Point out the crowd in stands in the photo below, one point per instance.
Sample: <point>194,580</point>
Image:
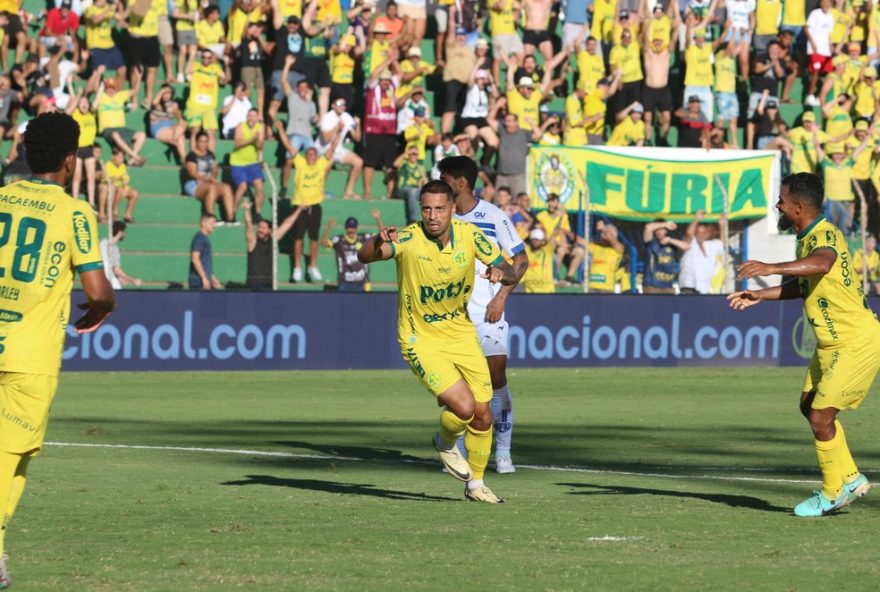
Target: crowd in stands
<point>344,84</point>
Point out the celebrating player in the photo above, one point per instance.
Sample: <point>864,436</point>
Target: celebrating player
<point>486,303</point>
<point>47,236</point>
<point>847,355</point>
<point>435,276</point>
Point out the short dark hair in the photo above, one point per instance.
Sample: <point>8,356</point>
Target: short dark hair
<point>460,167</point>
<point>48,140</point>
<point>206,217</point>
<point>503,188</point>
<point>210,9</point>
<point>118,226</point>
<point>552,196</point>
<point>805,188</point>
<point>437,186</point>
<point>201,134</point>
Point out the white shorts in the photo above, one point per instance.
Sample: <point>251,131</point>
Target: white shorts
<point>338,155</point>
<point>493,338</point>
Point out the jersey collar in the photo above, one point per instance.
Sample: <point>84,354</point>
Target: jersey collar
<point>40,181</point>
<point>437,242</point>
<point>812,225</point>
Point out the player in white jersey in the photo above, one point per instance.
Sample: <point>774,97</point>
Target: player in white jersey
<point>486,304</point>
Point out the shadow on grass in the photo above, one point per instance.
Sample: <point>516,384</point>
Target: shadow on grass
<point>342,488</point>
<point>355,452</point>
<point>734,501</point>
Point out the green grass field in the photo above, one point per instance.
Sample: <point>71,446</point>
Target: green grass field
<point>675,479</point>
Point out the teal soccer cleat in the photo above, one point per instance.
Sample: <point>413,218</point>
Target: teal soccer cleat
<point>819,505</point>
<point>857,487</point>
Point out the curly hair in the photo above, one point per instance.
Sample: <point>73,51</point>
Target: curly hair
<point>806,188</point>
<point>48,140</point>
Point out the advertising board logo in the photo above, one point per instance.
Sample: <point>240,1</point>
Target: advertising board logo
<point>554,173</point>
<point>803,339</point>
<point>82,234</point>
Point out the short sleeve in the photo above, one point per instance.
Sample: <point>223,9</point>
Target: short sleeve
<point>402,246</point>
<point>484,249</point>
<point>197,244</point>
<point>85,252</point>
<point>507,237</point>
<point>826,238</point>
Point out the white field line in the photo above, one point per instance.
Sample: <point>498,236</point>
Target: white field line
<point>608,538</point>
<point>553,468</point>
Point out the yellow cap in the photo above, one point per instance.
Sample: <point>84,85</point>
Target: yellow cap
<point>870,72</point>
<point>839,59</point>
<point>699,32</point>
<point>808,116</point>
<point>861,125</point>
<point>835,148</point>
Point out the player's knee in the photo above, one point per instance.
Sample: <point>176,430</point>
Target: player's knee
<point>482,417</point>
<point>821,422</point>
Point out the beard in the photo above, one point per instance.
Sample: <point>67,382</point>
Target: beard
<point>784,223</point>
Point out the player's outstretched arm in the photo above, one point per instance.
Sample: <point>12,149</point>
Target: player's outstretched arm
<point>380,247</point>
<point>819,262</point>
<point>788,290</point>
<point>101,301</point>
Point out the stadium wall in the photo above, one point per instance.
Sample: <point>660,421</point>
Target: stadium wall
<point>299,331</point>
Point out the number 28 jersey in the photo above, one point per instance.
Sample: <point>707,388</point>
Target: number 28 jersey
<point>44,236</point>
<point>435,282</point>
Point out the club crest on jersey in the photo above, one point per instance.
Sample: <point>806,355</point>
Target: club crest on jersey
<point>460,258</point>
<point>434,379</point>
<point>482,244</point>
<point>82,233</point>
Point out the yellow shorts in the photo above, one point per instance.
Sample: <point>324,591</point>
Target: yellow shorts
<point>440,365</point>
<point>24,410</point>
<point>204,117</point>
<point>842,377</point>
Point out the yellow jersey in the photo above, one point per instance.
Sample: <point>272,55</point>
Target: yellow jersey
<point>204,86</point>
<point>794,13</point>
<point>525,108</point>
<point>838,179</point>
<point>803,155</point>
<point>767,15</point>
<point>239,20</point>
<point>418,135</point>
<point>148,25</point>
<point>308,180</point>
<point>660,28</point>
<point>291,8</point>
<point>435,282</point>
<point>503,21</point>
<point>839,122</point>
<point>88,127</point>
<point>590,68</point>
<point>594,104</point>
<point>117,174</point>
<point>378,53</point>
<point>10,6</point>
<point>208,34</point>
<point>99,36</point>
<point>247,154</point>
<point>698,62</point>
<point>627,132</point>
<point>864,104</point>
<point>51,235</point>
<point>406,67</point>
<point>186,7</point>
<point>111,110</point>
<point>538,278</point>
<point>834,302</point>
<point>604,262</point>
<point>841,22</point>
<point>329,11</point>
<point>603,19</point>
<point>575,133</point>
<point>861,170</point>
<point>628,60</point>
<point>342,68</point>
<point>725,72</point>
<point>873,264</point>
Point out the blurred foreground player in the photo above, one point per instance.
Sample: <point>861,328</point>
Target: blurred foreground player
<point>847,354</point>
<point>486,303</point>
<point>46,236</point>
<point>435,276</point>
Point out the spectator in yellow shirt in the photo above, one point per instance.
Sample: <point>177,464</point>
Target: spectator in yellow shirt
<point>421,133</point>
<point>209,32</point>
<point>116,176</point>
<point>538,278</point>
<point>630,131</point>
<point>866,262</point>
<point>568,246</point>
<point>626,58</point>
<point>837,172</point>
<point>606,255</point>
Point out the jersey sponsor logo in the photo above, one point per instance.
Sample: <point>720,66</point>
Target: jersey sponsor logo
<point>82,233</point>
<point>479,214</point>
<point>803,338</point>
<point>829,324</point>
<point>437,318</point>
<point>17,421</point>
<point>403,236</point>
<point>844,269</point>
<point>10,316</point>
<point>432,294</point>
<point>9,293</point>
<point>482,244</point>
<point>51,269</point>
<point>414,362</point>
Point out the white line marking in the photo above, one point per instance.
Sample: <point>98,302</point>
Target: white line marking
<point>614,539</point>
<point>549,468</point>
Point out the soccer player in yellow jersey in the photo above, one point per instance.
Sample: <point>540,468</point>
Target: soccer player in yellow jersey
<point>51,236</point>
<point>435,275</point>
<point>847,334</point>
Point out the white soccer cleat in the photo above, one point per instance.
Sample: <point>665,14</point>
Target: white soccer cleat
<point>456,464</point>
<point>315,274</point>
<point>504,465</point>
<point>482,494</point>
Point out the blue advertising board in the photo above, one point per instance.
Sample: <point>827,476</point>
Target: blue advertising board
<point>308,330</point>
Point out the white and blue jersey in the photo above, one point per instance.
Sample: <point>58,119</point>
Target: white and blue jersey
<point>500,230</point>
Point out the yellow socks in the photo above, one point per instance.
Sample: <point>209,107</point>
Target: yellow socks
<point>836,463</point>
<point>479,445</point>
<point>12,479</point>
<point>451,426</point>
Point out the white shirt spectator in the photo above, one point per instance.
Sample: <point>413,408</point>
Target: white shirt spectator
<point>738,12</point>
<point>112,260</point>
<point>476,103</point>
<point>699,265</point>
<point>441,152</point>
<point>236,115</point>
<point>405,114</point>
<point>328,124</point>
<point>820,24</point>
